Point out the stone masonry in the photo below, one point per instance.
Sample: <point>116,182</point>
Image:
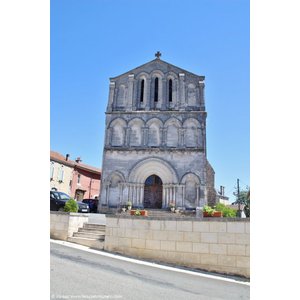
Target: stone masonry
<point>155,140</point>
<point>220,245</point>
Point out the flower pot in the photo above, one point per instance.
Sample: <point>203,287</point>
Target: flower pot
<point>123,209</point>
<point>217,214</point>
<point>129,207</point>
<point>144,213</point>
<point>172,209</point>
<point>132,212</point>
<point>206,214</point>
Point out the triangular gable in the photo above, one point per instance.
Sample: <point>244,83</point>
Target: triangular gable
<point>158,61</point>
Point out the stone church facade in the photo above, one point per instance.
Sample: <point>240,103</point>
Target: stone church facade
<point>155,141</point>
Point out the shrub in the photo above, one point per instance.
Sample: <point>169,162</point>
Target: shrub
<point>227,211</point>
<point>71,206</point>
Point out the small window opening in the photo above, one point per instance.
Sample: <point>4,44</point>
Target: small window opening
<point>156,90</point>
<point>142,91</point>
<point>170,90</point>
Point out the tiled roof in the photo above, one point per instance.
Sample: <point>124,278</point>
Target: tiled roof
<point>62,159</point>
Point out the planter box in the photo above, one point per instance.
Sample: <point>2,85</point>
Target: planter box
<point>217,214</point>
<point>143,212</point>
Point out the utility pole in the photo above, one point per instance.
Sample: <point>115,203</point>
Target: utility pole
<point>239,213</point>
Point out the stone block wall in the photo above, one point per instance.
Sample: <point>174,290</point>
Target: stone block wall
<point>63,224</point>
<point>220,245</point>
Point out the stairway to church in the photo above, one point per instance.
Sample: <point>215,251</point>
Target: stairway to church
<point>90,235</point>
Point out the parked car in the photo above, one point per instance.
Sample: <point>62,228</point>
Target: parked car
<point>92,203</point>
<point>59,199</point>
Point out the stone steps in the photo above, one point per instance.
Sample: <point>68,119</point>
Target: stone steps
<point>92,243</point>
<point>91,235</point>
<point>91,226</point>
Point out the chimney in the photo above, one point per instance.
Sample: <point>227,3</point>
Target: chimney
<point>222,190</point>
<point>78,160</point>
<point>67,157</point>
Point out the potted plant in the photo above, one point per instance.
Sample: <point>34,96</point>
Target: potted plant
<point>207,211</point>
<point>139,212</point>
<point>172,206</point>
<point>144,213</point>
<point>124,208</point>
<point>211,212</point>
<point>129,205</point>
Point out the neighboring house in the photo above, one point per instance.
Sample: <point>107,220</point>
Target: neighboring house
<point>86,181</point>
<point>74,178</point>
<point>155,148</point>
<point>61,172</point>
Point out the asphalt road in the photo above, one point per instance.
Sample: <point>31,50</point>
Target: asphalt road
<point>77,274</point>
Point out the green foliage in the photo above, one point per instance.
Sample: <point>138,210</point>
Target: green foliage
<point>71,206</point>
<point>244,199</point>
<point>247,205</point>
<point>137,212</point>
<point>209,210</point>
<point>227,211</point>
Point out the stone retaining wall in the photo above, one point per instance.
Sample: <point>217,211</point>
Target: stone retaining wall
<point>213,244</point>
<point>63,224</point>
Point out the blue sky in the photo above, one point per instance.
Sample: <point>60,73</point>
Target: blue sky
<point>92,41</point>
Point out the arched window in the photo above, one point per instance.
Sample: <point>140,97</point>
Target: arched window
<point>142,91</point>
<point>170,90</point>
<point>156,90</point>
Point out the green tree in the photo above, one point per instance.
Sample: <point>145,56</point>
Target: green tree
<point>227,211</point>
<point>244,199</point>
<point>247,205</point>
<point>71,206</point>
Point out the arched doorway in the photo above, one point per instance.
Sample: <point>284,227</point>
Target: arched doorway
<point>153,192</point>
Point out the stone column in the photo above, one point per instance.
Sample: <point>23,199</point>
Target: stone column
<point>175,192</point>
<point>201,94</point>
<point>107,194</point>
<point>197,199</point>
<point>130,101</point>
<point>122,193</point>
<point>132,193</point>
<point>128,191</point>
<point>109,136</point>
<point>148,94</point>
<point>175,94</point>
<point>203,137</point>
<point>164,94</point>
<point>163,132</point>
<point>202,195</point>
<point>127,136</point>
<point>145,134</point>
<point>183,195</point>
<point>111,96</point>
<point>182,91</point>
<point>181,137</point>
<point>142,194</point>
<point>135,194</point>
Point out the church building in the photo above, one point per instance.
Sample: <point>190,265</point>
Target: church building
<point>155,141</point>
